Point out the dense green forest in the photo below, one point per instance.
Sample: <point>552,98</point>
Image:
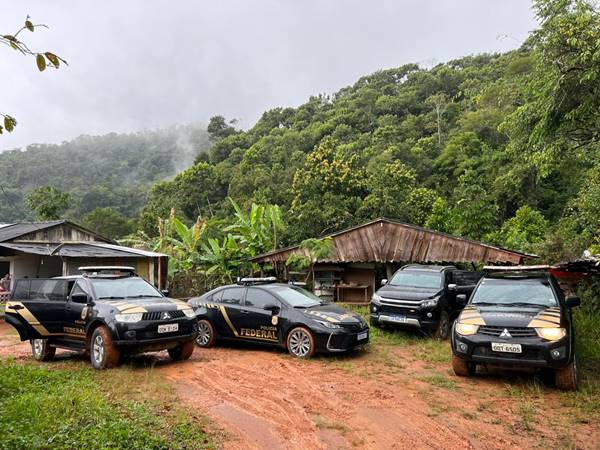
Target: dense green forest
<point>113,171</point>
<point>498,147</point>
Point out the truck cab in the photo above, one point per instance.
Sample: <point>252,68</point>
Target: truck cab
<point>424,297</point>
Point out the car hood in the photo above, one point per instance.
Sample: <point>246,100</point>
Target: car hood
<point>533,316</point>
<point>147,304</point>
<point>334,314</point>
<point>407,293</point>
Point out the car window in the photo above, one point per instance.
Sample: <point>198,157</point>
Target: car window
<point>41,289</point>
<point>232,296</point>
<point>507,292</point>
<point>79,289</point>
<point>21,291</point>
<point>216,297</point>
<point>258,298</point>
<point>417,279</point>
<point>126,287</point>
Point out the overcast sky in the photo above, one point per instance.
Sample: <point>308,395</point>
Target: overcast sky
<point>143,64</point>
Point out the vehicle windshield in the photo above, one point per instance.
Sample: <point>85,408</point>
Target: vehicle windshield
<point>515,292</point>
<point>129,287</point>
<point>297,297</point>
<point>417,279</point>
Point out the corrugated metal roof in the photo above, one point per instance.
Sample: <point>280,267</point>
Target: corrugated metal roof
<point>81,250</point>
<point>12,231</point>
<point>384,240</point>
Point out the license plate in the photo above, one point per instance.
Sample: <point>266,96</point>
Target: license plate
<point>506,348</point>
<point>398,319</point>
<point>168,328</point>
<point>363,335</point>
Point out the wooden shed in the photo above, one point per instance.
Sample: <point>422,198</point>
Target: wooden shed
<point>383,245</point>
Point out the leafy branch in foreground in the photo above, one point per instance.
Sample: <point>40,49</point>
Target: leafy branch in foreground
<point>43,59</point>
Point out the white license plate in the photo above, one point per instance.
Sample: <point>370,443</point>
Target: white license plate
<point>398,319</point>
<point>506,348</point>
<point>363,335</point>
<point>168,328</point>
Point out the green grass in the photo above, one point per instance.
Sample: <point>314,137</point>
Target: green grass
<point>439,380</point>
<point>65,406</point>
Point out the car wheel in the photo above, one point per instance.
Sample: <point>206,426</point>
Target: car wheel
<point>462,368</point>
<point>567,378</point>
<point>103,353</point>
<point>206,334</point>
<point>300,343</point>
<point>41,350</point>
<point>183,351</point>
<point>442,332</point>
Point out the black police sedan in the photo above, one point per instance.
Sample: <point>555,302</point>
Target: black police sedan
<point>107,311</point>
<point>263,311</point>
<point>517,317</point>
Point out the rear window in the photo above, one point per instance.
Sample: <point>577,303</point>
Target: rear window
<point>536,291</point>
<point>37,289</point>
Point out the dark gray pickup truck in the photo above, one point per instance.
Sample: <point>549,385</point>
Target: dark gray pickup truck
<point>423,297</point>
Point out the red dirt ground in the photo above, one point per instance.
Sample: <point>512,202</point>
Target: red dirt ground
<point>381,398</point>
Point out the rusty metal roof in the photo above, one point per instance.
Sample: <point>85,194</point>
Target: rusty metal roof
<point>385,240</point>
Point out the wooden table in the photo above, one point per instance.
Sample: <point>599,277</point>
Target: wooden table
<point>341,287</point>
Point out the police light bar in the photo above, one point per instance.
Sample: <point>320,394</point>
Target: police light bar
<point>114,271</point>
<point>266,280</point>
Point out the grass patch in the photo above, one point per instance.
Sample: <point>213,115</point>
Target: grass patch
<point>527,414</point>
<point>439,380</point>
<point>324,424</point>
<point>67,406</point>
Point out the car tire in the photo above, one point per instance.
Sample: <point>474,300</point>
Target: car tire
<point>462,368</point>
<point>182,351</point>
<point>301,343</point>
<point>567,378</point>
<point>442,331</point>
<point>103,353</point>
<point>41,350</point>
<point>206,334</point>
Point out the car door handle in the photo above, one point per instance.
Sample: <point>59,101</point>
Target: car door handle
<point>17,307</point>
<point>244,311</point>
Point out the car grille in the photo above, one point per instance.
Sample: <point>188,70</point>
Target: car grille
<point>355,327</point>
<point>516,332</point>
<point>158,315</point>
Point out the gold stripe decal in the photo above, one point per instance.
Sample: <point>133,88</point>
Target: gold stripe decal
<point>226,316</point>
<point>548,318</point>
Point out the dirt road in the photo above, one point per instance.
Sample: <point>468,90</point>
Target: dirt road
<point>385,397</point>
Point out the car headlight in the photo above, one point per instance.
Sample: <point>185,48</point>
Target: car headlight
<point>128,318</point>
<point>466,329</point>
<point>376,299</point>
<point>189,312</point>
<point>551,334</point>
<point>431,303</point>
<point>328,324</point>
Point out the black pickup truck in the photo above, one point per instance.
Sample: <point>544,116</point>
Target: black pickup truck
<point>422,297</point>
<point>106,311</point>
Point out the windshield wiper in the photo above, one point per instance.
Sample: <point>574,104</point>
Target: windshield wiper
<point>487,303</point>
<point>143,296</point>
<point>111,298</point>
<point>527,304</point>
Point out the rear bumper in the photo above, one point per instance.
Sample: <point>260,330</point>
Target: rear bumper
<point>536,353</point>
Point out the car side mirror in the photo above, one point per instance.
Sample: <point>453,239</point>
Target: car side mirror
<point>572,302</point>
<point>384,282</point>
<point>452,287</point>
<point>461,299</point>
<point>271,307</point>
<point>165,292</point>
<point>80,298</point>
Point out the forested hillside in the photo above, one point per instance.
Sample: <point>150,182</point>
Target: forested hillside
<point>502,148</point>
<point>112,171</point>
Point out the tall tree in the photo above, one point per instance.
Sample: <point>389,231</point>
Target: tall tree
<point>48,202</point>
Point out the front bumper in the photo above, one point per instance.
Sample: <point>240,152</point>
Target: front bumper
<point>427,319</point>
<point>342,341</point>
<point>145,333</point>
<point>536,352</point>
